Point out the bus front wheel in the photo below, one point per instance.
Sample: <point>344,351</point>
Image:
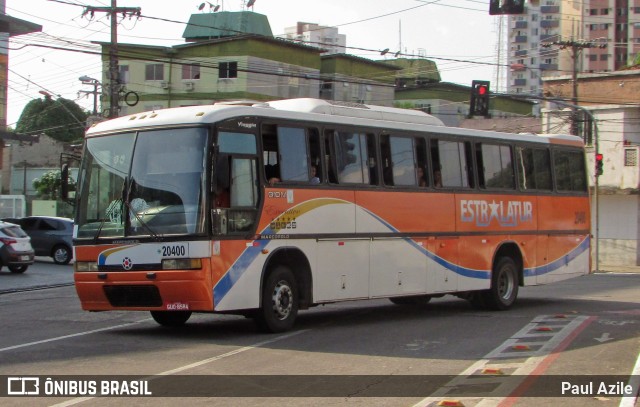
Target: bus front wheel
<point>504,285</point>
<point>279,306</point>
<point>171,318</point>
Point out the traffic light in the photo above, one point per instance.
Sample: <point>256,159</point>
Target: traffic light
<point>499,7</point>
<point>479,105</point>
<point>599,164</point>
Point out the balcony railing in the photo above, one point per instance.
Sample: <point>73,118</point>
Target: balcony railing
<point>549,23</point>
<point>549,9</point>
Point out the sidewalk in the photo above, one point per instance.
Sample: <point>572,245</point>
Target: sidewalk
<point>618,269</point>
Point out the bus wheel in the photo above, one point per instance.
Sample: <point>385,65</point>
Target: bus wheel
<point>279,301</point>
<point>504,285</point>
<point>411,300</point>
<point>171,318</point>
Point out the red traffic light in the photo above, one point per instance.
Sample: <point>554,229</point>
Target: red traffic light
<point>599,157</point>
<point>482,90</point>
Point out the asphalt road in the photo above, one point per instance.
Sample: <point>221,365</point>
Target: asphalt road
<point>581,331</point>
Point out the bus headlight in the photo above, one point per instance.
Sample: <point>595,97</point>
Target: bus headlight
<point>86,266</point>
<point>181,264</point>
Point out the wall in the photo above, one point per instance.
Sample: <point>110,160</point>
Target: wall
<point>619,230</point>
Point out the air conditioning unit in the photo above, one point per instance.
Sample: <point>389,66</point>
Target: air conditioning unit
<point>189,85</point>
<point>164,85</point>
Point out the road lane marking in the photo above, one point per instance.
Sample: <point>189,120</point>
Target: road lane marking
<point>59,338</point>
<point>180,369</point>
<point>545,347</point>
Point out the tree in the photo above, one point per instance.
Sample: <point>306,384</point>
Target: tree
<point>60,119</point>
<point>48,186</point>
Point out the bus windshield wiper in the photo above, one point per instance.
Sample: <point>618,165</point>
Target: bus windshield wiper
<point>127,204</point>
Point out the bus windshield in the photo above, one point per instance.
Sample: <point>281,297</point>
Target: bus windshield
<point>147,183</point>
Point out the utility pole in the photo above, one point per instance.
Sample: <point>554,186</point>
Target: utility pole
<point>114,80</point>
<point>574,47</point>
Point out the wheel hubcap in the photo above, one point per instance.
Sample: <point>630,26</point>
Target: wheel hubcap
<point>60,255</point>
<point>505,285</point>
<point>282,300</point>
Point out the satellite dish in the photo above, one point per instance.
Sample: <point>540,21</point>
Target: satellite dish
<point>216,8</point>
<point>200,7</point>
<point>251,3</point>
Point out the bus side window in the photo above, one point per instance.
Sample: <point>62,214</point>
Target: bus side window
<point>495,166</point>
<point>316,175</point>
<point>385,152</point>
<point>421,160</point>
<point>372,161</point>
<point>270,153</point>
<point>329,157</point>
<point>453,160</point>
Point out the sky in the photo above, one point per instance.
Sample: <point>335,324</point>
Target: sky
<point>459,35</point>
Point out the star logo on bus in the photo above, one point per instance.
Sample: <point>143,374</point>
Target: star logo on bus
<point>127,263</point>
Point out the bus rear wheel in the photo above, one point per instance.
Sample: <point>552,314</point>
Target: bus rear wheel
<point>280,302</point>
<point>171,318</point>
<point>504,285</point>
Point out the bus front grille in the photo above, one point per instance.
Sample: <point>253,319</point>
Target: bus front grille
<point>133,295</point>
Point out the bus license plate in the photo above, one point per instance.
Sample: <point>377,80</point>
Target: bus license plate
<point>24,258</point>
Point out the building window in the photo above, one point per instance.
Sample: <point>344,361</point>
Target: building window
<point>630,157</point>
<point>604,11</point>
<point>191,71</point>
<point>227,70</point>
<point>154,72</point>
<point>604,57</point>
<point>593,57</point>
<point>534,17</point>
<point>123,73</point>
<point>593,11</point>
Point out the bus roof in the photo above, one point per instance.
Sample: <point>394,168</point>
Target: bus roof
<point>311,110</point>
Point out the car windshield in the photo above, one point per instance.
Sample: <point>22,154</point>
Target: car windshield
<point>146,183</point>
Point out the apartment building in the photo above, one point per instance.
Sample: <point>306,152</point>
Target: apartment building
<point>317,35</point>
<point>618,21</point>
<point>528,58</point>
<point>615,24</point>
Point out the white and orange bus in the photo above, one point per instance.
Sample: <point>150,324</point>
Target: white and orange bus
<point>264,209</point>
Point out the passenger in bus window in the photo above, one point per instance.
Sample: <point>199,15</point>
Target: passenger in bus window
<point>314,180</point>
<point>437,179</point>
<point>422,181</point>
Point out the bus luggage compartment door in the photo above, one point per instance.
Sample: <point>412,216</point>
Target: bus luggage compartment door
<point>343,269</point>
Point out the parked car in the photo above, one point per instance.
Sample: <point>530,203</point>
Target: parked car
<point>15,248</point>
<point>50,236</point>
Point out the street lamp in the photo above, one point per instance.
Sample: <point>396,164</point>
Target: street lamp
<point>86,80</point>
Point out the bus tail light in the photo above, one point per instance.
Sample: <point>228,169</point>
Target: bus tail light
<point>181,264</point>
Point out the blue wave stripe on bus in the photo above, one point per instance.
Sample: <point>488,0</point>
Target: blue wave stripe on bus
<point>562,261</point>
<point>239,267</point>
<point>463,271</point>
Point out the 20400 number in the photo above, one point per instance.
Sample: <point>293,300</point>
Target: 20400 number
<point>174,251</point>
